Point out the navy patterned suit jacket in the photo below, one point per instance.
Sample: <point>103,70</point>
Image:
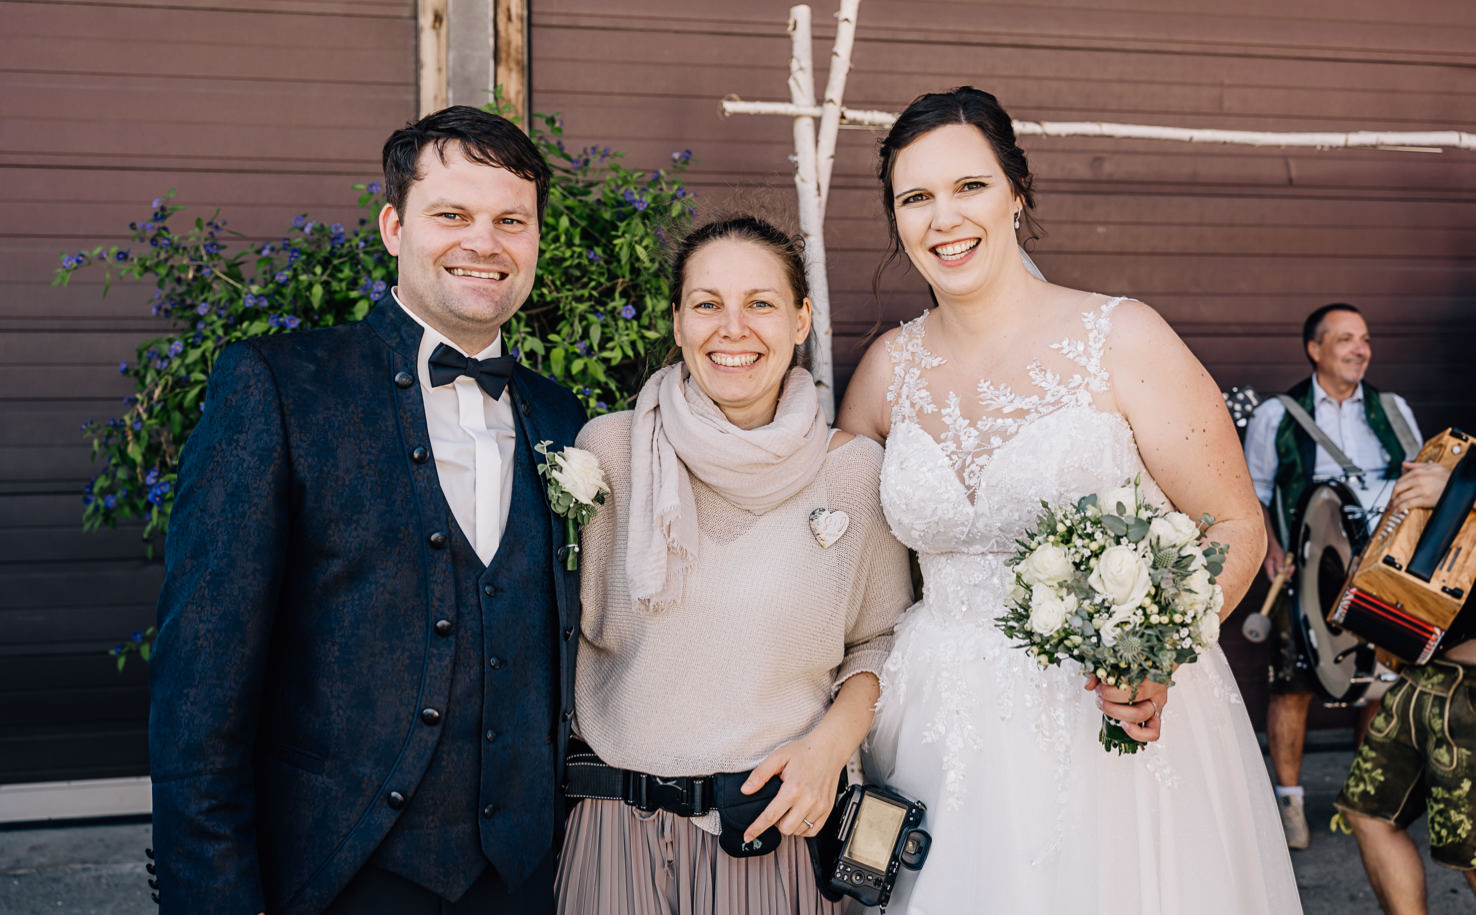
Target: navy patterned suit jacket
<point>296,643</point>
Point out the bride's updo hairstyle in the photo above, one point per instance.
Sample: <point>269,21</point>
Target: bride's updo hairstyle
<point>789,249</point>
<point>964,105</point>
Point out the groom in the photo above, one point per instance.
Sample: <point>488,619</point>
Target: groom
<point>364,667</point>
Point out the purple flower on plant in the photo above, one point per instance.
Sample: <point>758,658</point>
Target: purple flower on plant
<point>601,406</point>
<point>152,476</point>
<point>628,312</point>
<point>123,368</point>
<point>202,309</point>
<point>121,256</point>
<point>336,228</point>
<point>379,288</point>
<point>292,321</point>
<point>281,276</point>
<point>299,221</point>
<point>176,347</point>
<point>641,203</point>
<point>374,187</point>
<point>158,202</point>
<point>593,255</point>
<point>110,500</point>
<point>266,249</point>
<point>583,347</point>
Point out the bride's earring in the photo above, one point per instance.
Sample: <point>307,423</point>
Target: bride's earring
<point>1017,220</point>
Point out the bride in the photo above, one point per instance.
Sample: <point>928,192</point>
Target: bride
<point>1010,391</point>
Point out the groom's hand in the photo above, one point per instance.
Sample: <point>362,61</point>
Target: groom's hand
<point>1142,717</point>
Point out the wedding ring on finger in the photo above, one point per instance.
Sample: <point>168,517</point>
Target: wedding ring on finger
<point>808,824</point>
<point>1156,710</point>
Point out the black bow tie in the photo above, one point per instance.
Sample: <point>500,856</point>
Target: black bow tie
<point>446,365</point>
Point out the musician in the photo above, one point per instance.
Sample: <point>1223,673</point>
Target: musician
<point>1286,458</point>
<point>1420,753</point>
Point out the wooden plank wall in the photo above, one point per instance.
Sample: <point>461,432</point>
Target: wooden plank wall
<point>1234,245</point>
<point>264,111</point>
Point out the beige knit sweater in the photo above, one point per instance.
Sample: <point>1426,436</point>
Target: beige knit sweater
<point>768,627</point>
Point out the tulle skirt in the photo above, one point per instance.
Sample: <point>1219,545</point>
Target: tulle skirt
<point>1028,812</point>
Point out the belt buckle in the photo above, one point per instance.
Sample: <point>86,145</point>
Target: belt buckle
<point>648,793</point>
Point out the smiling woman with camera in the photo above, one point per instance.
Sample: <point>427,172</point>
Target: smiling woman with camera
<point>739,590</point>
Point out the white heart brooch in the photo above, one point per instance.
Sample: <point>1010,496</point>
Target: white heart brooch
<point>828,526</point>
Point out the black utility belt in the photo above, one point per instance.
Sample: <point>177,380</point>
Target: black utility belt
<point>587,777</point>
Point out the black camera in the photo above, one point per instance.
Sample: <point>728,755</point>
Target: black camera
<point>870,834</point>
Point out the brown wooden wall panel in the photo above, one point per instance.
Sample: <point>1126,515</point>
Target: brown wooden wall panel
<point>266,111</point>
<point>1234,245</point>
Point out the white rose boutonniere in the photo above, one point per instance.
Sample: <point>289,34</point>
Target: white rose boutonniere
<point>576,485</point>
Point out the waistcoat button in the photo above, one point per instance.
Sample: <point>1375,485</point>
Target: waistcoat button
<point>420,455</point>
<point>430,716</point>
<point>443,627</point>
<point>395,799</point>
<point>488,811</point>
<point>495,663</point>
<point>404,380</point>
<point>438,540</point>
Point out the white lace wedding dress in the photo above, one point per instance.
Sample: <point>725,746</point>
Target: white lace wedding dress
<point>1027,811</point>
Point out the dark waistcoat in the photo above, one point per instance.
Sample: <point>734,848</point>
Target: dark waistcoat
<point>488,794</point>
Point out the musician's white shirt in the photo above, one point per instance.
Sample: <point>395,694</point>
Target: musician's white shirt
<point>473,438</point>
<point>1346,424</point>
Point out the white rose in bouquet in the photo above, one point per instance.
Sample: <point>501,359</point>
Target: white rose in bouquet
<point>1048,565</point>
<point>1018,595</point>
<point>1197,591</point>
<point>579,473</point>
<point>1048,610</point>
<point>1196,557</point>
<point>1121,576</point>
<point>1173,529</point>
<point>1208,627</point>
<point>1108,500</point>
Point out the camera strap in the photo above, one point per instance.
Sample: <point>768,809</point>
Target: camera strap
<point>586,776</point>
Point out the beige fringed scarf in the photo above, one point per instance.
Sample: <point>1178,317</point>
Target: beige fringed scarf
<point>677,430</point>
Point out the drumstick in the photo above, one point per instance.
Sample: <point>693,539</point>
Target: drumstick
<point>1258,625</point>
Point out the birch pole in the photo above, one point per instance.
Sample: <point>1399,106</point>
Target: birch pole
<point>808,189</point>
<point>835,89</point>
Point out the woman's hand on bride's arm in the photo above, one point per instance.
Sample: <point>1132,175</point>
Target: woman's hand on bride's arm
<point>810,766</point>
<point>1141,718</point>
<point>1185,436</point>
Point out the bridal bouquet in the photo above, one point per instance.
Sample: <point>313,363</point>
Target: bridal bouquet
<point>1123,588</point>
<point>576,487</point>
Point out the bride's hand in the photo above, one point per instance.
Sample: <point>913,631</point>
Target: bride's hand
<point>1142,719</point>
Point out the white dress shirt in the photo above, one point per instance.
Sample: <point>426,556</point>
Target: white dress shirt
<point>473,438</point>
<point>1346,424</point>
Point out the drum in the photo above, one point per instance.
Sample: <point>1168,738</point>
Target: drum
<point>1332,527</point>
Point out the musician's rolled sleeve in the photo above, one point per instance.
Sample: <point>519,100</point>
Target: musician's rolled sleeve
<point>1260,447</point>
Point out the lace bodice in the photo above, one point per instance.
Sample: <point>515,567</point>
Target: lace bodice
<point>954,482</point>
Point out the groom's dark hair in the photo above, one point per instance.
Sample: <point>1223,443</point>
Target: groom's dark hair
<point>484,138</point>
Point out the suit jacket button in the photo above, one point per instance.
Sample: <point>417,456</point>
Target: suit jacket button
<point>443,627</point>
<point>430,716</point>
<point>395,799</point>
<point>491,735</point>
<point>494,662</point>
<point>488,811</point>
<point>489,589</point>
<point>404,380</point>
<point>420,455</point>
<point>438,540</point>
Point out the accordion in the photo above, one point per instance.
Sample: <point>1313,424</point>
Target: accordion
<point>1418,567</point>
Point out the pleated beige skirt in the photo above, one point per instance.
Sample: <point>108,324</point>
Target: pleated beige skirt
<point>620,861</point>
